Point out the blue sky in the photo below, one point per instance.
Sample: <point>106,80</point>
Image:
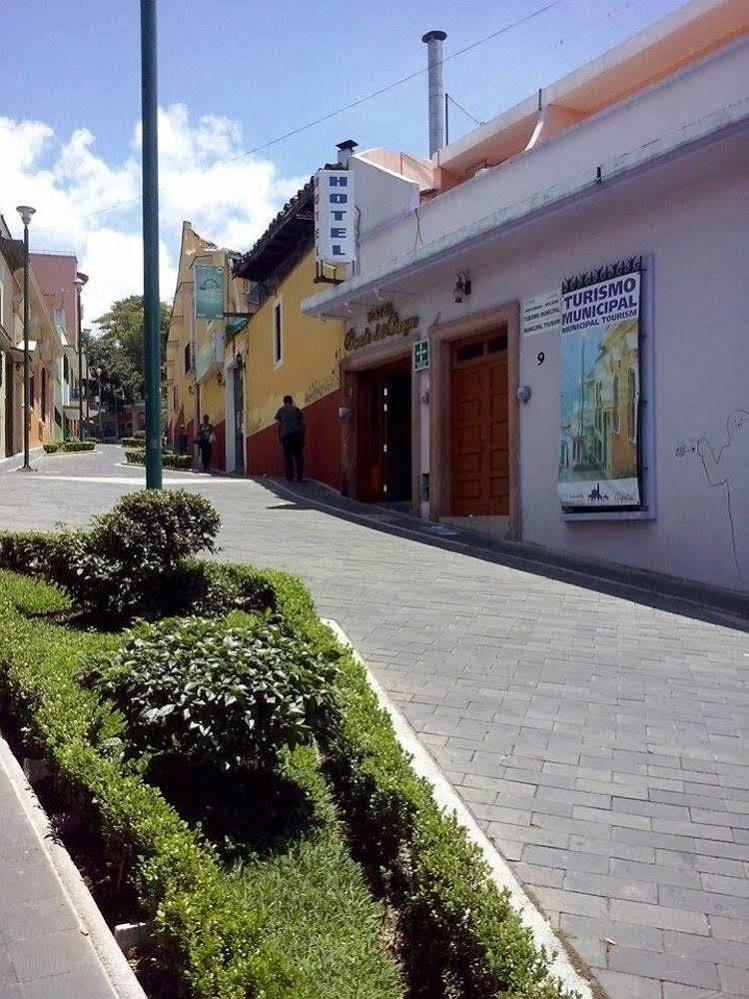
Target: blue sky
<point>234,74</point>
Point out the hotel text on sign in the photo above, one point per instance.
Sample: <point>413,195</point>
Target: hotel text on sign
<point>335,217</point>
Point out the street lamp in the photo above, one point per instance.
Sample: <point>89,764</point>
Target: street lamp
<point>98,375</point>
<point>80,281</point>
<point>26,211</point>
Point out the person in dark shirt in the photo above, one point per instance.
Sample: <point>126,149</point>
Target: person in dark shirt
<point>290,421</point>
<point>206,438</point>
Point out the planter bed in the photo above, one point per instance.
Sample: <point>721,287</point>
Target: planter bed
<point>137,456</point>
<point>331,873</point>
<point>69,447</point>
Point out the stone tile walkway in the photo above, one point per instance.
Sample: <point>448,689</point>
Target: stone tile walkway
<point>602,744</point>
<point>43,952</point>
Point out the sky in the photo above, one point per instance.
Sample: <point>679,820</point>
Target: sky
<point>235,75</point>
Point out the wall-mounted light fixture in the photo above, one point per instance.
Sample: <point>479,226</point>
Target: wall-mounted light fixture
<point>220,376</point>
<point>425,397</point>
<point>524,393</point>
<point>462,286</point>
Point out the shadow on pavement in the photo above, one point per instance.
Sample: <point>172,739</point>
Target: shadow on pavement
<point>650,589</point>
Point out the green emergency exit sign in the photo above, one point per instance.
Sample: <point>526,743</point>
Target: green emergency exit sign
<point>421,355</point>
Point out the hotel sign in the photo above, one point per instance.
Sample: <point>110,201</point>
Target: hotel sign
<point>335,217</point>
<point>382,322</point>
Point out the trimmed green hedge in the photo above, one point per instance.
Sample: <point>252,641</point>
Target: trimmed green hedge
<point>137,456</point>
<point>204,934</point>
<point>69,447</point>
<point>470,933</point>
<point>296,924</point>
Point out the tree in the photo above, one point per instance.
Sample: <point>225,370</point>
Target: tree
<point>122,328</point>
<point>119,350</point>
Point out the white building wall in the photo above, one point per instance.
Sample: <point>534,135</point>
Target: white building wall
<point>691,219</point>
<point>721,82</point>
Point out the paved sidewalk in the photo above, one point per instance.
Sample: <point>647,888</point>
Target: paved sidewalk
<point>43,952</point>
<point>602,743</point>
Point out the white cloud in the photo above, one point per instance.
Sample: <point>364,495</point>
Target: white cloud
<point>70,185</point>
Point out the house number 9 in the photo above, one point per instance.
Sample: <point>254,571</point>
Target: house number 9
<point>540,357</point>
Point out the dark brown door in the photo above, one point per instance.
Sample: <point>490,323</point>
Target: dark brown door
<point>239,418</point>
<point>397,437</point>
<point>480,456</point>
<point>9,406</point>
<point>383,434</point>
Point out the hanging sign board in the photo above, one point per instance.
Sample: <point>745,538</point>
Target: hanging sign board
<point>421,355</point>
<point>335,217</point>
<point>209,292</point>
<point>541,314</point>
<point>599,453</point>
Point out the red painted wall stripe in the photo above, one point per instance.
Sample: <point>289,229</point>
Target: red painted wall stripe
<point>322,450</point>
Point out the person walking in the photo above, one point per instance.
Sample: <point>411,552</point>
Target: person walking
<point>290,421</point>
<point>206,437</point>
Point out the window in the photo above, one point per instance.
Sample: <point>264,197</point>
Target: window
<point>32,392</point>
<point>632,405</point>
<point>188,357</point>
<point>615,403</point>
<point>44,394</point>
<point>277,335</point>
<point>66,369</point>
<point>469,352</point>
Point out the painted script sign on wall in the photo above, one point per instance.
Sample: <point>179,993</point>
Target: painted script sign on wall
<point>382,322</point>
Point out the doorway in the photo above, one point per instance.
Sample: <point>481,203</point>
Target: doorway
<point>383,432</point>
<point>9,407</point>
<point>480,426</point>
<point>238,387</point>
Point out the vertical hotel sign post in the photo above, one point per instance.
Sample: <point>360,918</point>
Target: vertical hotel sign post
<point>335,217</point>
<point>599,454</point>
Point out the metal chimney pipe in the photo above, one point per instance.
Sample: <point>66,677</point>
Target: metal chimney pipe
<point>434,40</point>
<point>346,151</point>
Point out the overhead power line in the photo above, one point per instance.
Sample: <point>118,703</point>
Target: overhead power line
<point>353,104</point>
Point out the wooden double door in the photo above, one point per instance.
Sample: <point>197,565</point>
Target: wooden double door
<point>480,432</point>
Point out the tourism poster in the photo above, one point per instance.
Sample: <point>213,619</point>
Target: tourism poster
<point>600,394</point>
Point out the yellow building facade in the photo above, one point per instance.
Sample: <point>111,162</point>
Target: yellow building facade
<point>288,353</point>
<point>195,380</point>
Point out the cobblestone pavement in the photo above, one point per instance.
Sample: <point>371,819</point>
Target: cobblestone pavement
<point>602,744</point>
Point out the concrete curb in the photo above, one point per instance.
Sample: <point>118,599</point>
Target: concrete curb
<point>113,961</point>
<point>446,797</point>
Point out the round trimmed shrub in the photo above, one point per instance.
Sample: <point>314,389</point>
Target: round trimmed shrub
<point>218,698</point>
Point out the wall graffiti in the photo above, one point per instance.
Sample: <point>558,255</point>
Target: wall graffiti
<point>728,468</point>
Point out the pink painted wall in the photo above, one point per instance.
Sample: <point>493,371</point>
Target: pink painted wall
<point>56,276</point>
